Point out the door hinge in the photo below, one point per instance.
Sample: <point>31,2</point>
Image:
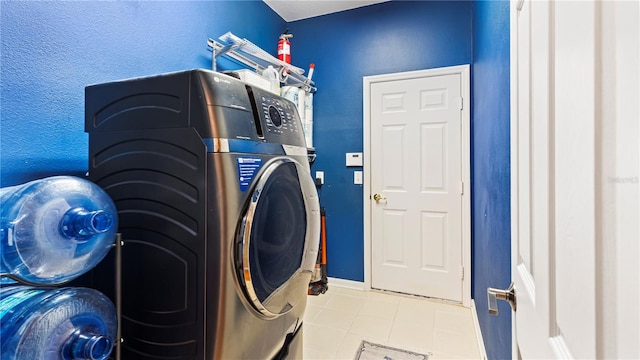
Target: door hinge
<point>461,187</point>
<point>460,102</point>
<point>462,272</point>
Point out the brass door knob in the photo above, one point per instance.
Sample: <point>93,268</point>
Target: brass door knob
<point>378,197</point>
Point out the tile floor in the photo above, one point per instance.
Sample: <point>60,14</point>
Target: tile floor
<point>337,321</point>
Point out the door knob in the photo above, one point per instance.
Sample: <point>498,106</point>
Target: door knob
<point>378,197</point>
<point>494,295</point>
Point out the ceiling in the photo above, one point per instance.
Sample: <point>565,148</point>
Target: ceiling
<point>292,10</point>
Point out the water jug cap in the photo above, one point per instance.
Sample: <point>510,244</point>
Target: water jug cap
<point>90,346</point>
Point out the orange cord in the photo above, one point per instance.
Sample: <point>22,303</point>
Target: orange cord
<point>324,240</point>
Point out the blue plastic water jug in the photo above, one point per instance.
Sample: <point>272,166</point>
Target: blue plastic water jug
<point>54,229</point>
<point>51,324</point>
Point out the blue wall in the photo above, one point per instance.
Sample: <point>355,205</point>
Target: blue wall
<point>403,36</point>
<point>385,38</point>
<point>491,222</point>
<point>51,50</point>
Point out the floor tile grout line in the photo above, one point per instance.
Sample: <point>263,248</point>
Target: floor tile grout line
<point>393,319</point>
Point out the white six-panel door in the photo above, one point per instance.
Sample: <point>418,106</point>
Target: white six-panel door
<point>574,103</point>
<point>416,163</point>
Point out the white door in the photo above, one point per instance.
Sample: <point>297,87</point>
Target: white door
<point>416,172</point>
<point>574,174</point>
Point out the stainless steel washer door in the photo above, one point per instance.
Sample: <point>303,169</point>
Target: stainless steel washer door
<point>279,236</point>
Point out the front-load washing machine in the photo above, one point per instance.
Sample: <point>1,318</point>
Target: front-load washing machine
<point>217,210</point>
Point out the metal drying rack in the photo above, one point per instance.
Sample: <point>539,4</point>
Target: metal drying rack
<point>252,56</point>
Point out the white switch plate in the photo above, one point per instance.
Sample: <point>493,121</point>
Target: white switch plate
<point>357,177</point>
<point>354,159</point>
<point>320,175</point>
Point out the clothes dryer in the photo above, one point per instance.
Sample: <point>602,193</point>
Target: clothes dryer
<point>218,213</point>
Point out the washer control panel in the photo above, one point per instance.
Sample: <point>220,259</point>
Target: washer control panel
<point>280,116</point>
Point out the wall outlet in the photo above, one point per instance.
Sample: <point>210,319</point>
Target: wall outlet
<point>319,177</point>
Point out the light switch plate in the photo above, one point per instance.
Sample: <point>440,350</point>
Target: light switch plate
<point>354,159</point>
<point>357,177</point>
<point>320,175</point>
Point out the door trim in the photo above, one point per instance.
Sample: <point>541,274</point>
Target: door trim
<point>513,145</point>
<point>463,71</point>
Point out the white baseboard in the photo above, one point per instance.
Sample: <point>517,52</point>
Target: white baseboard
<point>343,283</point>
<point>476,324</point>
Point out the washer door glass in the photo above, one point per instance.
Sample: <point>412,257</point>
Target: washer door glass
<point>274,233</point>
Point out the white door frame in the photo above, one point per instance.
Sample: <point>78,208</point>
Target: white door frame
<point>463,71</point>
